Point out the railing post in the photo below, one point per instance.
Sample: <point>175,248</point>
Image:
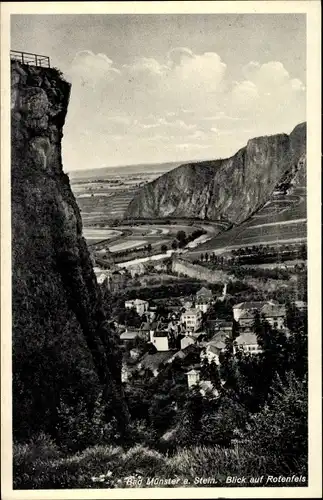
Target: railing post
<point>36,59</point>
<point>22,58</point>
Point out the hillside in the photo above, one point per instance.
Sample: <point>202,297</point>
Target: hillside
<point>231,189</point>
<point>63,348</point>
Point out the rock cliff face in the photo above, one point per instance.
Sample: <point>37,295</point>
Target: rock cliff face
<point>62,343</point>
<point>230,189</point>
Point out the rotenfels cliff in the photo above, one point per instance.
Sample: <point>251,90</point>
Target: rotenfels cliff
<point>63,345</point>
<point>230,189</point>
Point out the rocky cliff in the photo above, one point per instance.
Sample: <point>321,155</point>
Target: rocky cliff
<point>63,346</point>
<point>230,189</point>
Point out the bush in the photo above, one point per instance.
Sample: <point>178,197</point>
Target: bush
<point>79,426</point>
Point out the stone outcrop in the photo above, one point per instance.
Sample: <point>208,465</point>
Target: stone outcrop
<point>63,345</point>
<point>230,190</point>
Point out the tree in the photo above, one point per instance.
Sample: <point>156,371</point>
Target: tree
<point>149,248</point>
<point>163,248</point>
<point>181,236</point>
<point>174,245</point>
<point>189,421</point>
<point>280,429</point>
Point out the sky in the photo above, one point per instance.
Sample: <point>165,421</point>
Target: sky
<point>161,88</point>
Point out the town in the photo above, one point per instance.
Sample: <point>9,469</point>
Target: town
<point>197,322</point>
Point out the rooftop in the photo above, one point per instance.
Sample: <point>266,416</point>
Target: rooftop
<point>247,338</point>
<point>192,372</point>
<point>136,301</point>
<point>204,292</point>
<point>249,305</point>
<point>192,312</point>
<point>300,303</point>
<point>128,335</point>
<point>153,361</point>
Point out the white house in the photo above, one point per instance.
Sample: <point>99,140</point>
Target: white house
<point>248,342</point>
<point>192,319</point>
<point>204,298</point>
<point>101,278</point>
<point>141,306</point>
<point>159,340</point>
<point>193,378</point>
<point>202,305</point>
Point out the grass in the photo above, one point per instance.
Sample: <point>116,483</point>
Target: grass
<point>39,465</point>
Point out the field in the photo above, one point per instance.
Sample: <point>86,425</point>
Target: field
<point>104,194</point>
<point>281,219</point>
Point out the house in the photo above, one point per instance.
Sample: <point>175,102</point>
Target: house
<point>193,378</point>
<point>220,327</point>
<point>187,340</point>
<point>204,298</point>
<point>140,306</point>
<point>212,351</point>
<point>101,278</point>
<point>136,270</point>
<point>127,335</point>
<point>204,294</point>
<point>248,342</point>
<point>202,305</point>
<point>192,319</point>
<point>154,362</point>
<point>160,340</point>
<point>274,313</point>
<point>300,305</point>
<point>205,386</point>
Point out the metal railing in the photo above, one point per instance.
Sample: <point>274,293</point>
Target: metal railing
<point>30,58</point>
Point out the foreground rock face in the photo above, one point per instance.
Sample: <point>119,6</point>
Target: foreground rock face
<point>62,343</point>
<point>230,189</point>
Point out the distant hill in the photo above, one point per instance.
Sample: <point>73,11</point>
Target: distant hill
<point>231,189</point>
<point>102,173</point>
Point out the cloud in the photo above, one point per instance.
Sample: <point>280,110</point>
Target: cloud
<point>181,102</point>
<point>178,55</point>
<point>244,92</point>
<point>203,72</point>
<point>145,67</point>
<point>88,68</point>
<point>162,122</point>
<point>271,76</point>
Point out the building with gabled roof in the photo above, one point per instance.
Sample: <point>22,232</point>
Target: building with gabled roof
<point>248,342</point>
<point>204,293</point>
<point>192,318</point>
<point>140,306</point>
<point>212,350</point>
<point>274,313</point>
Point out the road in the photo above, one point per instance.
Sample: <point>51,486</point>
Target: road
<point>282,223</point>
<point>219,251</point>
